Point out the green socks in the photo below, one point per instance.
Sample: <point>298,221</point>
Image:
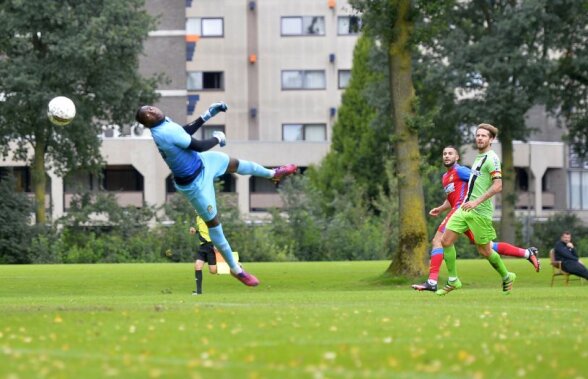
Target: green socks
<point>498,264</point>
<point>450,255</point>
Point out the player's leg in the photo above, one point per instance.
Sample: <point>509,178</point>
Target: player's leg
<point>484,233</point>
<point>531,254</point>
<point>243,167</point>
<point>211,259</point>
<point>455,226</point>
<point>198,264</point>
<point>434,264</point>
<point>575,268</point>
<point>449,252</point>
<point>508,278</point>
<point>201,195</point>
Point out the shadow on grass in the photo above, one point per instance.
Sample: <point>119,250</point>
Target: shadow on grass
<point>386,279</point>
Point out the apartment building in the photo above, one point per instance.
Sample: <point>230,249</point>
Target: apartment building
<point>282,67</point>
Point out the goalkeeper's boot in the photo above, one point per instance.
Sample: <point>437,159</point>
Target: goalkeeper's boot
<point>508,282</point>
<point>426,286</point>
<point>283,171</point>
<point>449,286</point>
<point>246,278</point>
<point>534,258</point>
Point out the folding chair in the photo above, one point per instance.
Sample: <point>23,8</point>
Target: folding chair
<point>558,270</point>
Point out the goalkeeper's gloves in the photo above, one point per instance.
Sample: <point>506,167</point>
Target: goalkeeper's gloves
<point>213,110</point>
<point>220,136</point>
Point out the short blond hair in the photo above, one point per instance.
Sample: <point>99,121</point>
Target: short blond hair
<point>490,128</point>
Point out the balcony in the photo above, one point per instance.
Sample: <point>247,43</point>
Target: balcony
<point>526,200</point>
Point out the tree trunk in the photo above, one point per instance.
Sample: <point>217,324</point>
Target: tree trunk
<point>39,182</point>
<point>509,196</point>
<point>409,259</point>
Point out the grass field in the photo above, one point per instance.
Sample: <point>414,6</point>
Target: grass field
<point>305,320</point>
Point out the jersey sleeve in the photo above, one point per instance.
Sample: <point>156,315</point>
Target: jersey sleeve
<point>494,167</point>
<point>463,173</point>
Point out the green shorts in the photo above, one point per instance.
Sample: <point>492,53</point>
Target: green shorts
<point>481,227</point>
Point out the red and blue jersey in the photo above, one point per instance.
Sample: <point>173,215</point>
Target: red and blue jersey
<point>455,184</point>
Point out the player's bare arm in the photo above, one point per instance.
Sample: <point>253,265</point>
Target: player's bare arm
<point>493,190</point>
<point>440,209</point>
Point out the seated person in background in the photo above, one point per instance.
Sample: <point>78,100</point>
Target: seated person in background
<point>566,253</point>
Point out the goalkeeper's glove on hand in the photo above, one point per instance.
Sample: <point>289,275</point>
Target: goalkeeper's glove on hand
<point>220,136</point>
<point>213,110</point>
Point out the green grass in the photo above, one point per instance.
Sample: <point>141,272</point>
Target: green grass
<point>306,320</point>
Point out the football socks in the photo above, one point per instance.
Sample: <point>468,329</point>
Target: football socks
<point>504,248</point>
<point>450,255</point>
<point>435,265</point>
<point>255,169</point>
<point>198,281</point>
<point>219,240</point>
<point>498,264</point>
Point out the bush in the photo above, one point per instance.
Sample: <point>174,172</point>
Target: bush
<point>15,230</point>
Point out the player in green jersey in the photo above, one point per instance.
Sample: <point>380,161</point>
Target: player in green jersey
<point>476,212</point>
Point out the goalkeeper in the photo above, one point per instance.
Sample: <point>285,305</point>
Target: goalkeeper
<point>194,170</point>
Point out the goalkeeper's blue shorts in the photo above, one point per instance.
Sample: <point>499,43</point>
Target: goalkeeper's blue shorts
<point>200,193</point>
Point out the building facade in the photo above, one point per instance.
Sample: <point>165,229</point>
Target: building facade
<point>282,67</point>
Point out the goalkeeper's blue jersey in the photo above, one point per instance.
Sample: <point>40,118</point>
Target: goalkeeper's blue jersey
<point>173,141</point>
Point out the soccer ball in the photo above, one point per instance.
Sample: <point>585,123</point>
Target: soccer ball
<point>61,110</point>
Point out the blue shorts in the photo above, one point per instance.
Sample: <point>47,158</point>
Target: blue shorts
<point>200,193</point>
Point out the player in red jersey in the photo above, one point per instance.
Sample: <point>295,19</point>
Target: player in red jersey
<point>455,184</point>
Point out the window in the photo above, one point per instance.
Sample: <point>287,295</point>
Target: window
<point>348,25</point>
<point>578,187</point>
<point>80,181</point>
<point>303,26</point>
<point>303,79</point>
<point>344,76</point>
<point>122,178</point>
<point>198,80</point>
<point>205,27</point>
<point>304,132</point>
<point>207,130</point>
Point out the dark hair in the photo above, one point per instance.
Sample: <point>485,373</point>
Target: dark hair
<point>490,128</point>
<point>139,115</point>
<point>566,232</point>
<point>451,147</point>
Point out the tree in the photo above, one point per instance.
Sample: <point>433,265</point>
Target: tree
<point>15,232</point>
<point>83,49</point>
<point>359,140</point>
<point>496,53</point>
<point>392,23</point>
<point>568,81</point>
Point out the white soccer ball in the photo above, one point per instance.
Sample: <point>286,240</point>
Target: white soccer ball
<point>61,110</point>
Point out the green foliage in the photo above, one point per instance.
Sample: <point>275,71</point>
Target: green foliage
<point>568,77</point>
<point>496,51</point>
<point>15,232</point>
<point>96,229</point>
<point>84,49</point>
<point>360,140</point>
<point>352,232</point>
